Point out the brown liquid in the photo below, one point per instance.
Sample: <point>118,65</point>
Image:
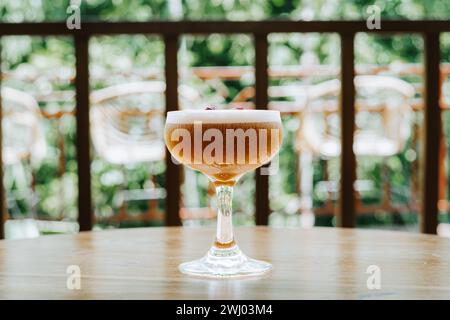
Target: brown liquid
<point>240,151</point>
<point>221,245</point>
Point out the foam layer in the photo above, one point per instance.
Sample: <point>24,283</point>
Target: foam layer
<point>223,116</point>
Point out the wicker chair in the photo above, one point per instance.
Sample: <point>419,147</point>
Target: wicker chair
<point>383,125</point>
<point>24,147</point>
<point>127,125</point>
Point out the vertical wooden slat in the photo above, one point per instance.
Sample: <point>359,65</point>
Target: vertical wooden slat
<point>2,186</point>
<point>261,102</point>
<point>172,170</point>
<point>85,214</point>
<point>346,206</point>
<point>443,178</point>
<point>432,132</point>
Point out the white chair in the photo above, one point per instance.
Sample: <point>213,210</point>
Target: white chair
<point>127,127</point>
<point>383,125</point>
<point>23,135</point>
<point>24,146</point>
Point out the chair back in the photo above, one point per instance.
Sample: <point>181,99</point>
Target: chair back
<point>127,121</point>
<point>23,134</point>
<point>383,118</point>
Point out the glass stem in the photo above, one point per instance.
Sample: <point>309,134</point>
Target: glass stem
<point>224,215</point>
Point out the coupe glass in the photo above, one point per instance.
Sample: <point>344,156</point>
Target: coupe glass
<point>223,145</point>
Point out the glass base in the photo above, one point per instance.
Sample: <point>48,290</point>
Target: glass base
<point>225,263</point>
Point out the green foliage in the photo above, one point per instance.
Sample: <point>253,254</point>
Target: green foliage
<point>111,57</point>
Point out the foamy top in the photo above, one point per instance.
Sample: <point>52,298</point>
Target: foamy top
<point>222,116</point>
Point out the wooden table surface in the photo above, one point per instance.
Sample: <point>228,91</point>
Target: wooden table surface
<point>319,263</point>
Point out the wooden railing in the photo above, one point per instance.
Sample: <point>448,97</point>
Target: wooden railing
<point>171,32</point>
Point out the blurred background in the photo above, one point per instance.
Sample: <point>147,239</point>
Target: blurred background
<point>127,106</point>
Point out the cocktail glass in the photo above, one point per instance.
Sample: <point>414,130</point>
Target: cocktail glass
<point>224,145</point>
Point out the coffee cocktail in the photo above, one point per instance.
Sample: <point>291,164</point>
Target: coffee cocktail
<point>224,145</point>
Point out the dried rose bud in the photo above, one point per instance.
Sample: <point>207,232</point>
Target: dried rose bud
<point>239,108</point>
<point>210,108</point>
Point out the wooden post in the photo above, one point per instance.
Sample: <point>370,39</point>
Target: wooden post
<point>172,170</point>
<point>346,207</point>
<point>2,185</point>
<point>85,214</point>
<point>432,132</point>
<point>261,101</point>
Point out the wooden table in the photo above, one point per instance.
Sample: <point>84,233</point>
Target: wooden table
<point>319,263</point>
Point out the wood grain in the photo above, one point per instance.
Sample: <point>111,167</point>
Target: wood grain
<point>2,187</point>
<point>345,216</point>
<point>173,182</point>
<point>261,45</point>
<point>85,213</point>
<point>320,263</point>
<point>207,27</point>
<point>432,135</point>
